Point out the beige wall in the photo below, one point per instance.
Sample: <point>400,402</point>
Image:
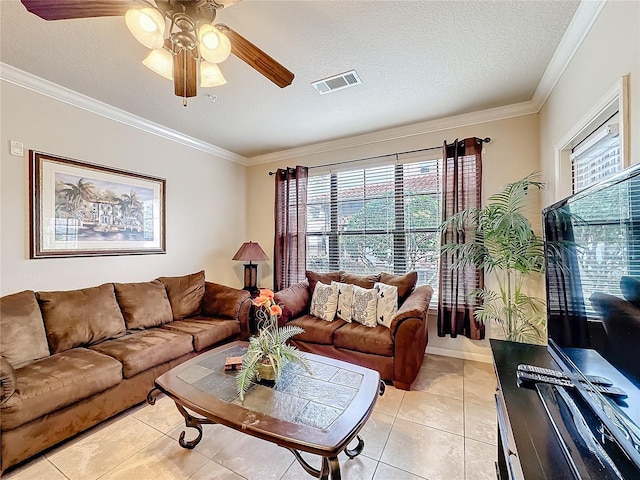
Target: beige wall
<point>205,197</point>
<point>512,154</point>
<point>611,49</point>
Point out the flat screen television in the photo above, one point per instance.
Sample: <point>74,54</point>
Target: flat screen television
<point>592,253</point>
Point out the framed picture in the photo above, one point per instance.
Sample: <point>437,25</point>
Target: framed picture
<point>78,209</point>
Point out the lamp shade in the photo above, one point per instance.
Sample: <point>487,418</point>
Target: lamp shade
<point>147,25</point>
<point>214,46</point>
<point>211,76</point>
<point>252,252</point>
<point>161,62</point>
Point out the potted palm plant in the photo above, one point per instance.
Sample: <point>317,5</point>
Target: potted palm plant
<point>268,351</point>
<point>507,248</point>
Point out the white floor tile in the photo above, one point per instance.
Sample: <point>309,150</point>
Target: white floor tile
<point>435,411</point>
<point>91,456</point>
<point>425,451</point>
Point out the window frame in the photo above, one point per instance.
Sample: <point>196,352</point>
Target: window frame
<point>615,99</point>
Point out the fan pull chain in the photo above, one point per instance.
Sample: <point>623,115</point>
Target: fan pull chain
<point>184,78</point>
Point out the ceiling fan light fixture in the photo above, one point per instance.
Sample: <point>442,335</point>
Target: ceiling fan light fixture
<point>161,62</point>
<point>214,46</point>
<point>210,75</point>
<point>147,26</point>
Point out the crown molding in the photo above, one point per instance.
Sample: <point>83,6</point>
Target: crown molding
<point>11,74</point>
<point>580,25</point>
<point>429,126</point>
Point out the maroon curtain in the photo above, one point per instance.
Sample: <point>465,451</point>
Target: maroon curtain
<point>461,189</point>
<point>290,255</point>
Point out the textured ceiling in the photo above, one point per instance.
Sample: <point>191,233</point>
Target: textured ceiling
<point>418,60</point>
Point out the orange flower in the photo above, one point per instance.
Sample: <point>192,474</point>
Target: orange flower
<point>265,292</point>
<point>262,301</point>
<point>275,310</point>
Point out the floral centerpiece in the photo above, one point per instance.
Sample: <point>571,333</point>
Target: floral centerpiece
<point>268,350</point>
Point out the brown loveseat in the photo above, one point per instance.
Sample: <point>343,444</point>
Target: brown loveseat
<point>71,359</point>
<point>396,352</point>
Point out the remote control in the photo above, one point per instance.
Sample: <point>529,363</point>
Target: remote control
<point>557,373</point>
<point>530,378</point>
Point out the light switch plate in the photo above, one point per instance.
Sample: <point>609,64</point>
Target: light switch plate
<point>17,149</point>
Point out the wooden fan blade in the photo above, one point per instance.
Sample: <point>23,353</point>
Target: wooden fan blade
<point>256,58</point>
<point>67,9</point>
<point>185,75</point>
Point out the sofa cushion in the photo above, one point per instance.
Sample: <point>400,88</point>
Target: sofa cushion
<point>54,382</point>
<point>81,317</point>
<point>363,281</point>
<point>316,330</point>
<point>353,336</point>
<point>205,331</point>
<point>324,277</point>
<point>143,305</point>
<point>324,301</point>
<point>185,294</point>
<point>294,301</point>
<point>22,335</point>
<point>140,351</point>
<point>405,283</point>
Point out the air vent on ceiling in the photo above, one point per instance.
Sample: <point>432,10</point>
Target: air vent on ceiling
<point>337,82</point>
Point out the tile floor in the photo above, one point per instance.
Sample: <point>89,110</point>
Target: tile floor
<point>444,429</point>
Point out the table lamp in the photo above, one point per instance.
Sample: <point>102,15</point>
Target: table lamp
<point>251,252</point>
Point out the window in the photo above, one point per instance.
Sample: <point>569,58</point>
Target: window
<point>379,218</point>
<point>597,157</point>
<point>596,146</point>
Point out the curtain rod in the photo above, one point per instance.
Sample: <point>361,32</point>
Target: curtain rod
<point>482,140</point>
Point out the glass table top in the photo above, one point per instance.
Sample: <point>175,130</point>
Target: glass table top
<point>315,400</point>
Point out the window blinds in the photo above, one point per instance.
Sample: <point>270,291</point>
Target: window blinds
<point>383,217</point>
<point>597,157</point>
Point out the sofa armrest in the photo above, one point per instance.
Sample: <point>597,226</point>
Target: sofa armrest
<point>415,306</point>
<point>230,303</point>
<point>294,301</point>
<point>7,380</point>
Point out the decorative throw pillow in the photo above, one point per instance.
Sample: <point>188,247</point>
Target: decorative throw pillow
<point>345,301</point>
<point>365,302</point>
<point>324,302</point>
<point>405,283</point>
<point>387,303</point>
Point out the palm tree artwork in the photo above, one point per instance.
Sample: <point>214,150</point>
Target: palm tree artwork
<point>91,209</point>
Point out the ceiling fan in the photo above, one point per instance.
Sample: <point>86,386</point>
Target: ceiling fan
<point>179,32</point>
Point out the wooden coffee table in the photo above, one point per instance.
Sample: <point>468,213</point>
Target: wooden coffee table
<point>319,413</point>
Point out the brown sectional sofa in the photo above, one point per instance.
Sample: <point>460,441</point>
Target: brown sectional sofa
<point>71,359</point>
<point>396,352</point>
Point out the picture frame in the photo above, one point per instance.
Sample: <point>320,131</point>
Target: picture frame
<point>79,209</point>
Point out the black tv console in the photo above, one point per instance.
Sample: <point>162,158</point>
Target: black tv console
<point>528,445</point>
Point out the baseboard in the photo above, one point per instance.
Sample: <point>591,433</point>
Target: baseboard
<point>477,357</point>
